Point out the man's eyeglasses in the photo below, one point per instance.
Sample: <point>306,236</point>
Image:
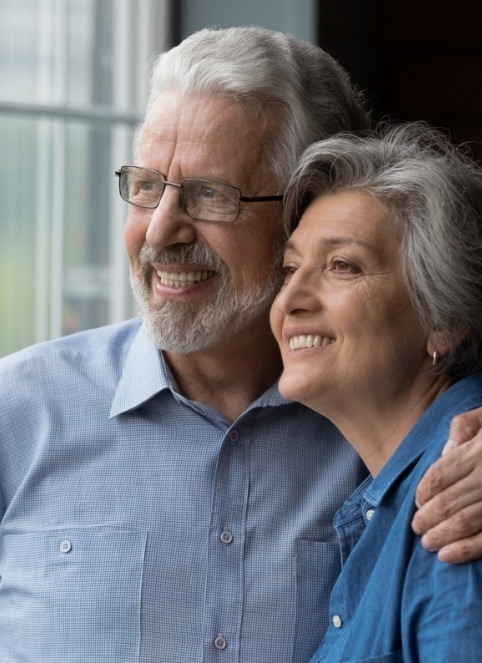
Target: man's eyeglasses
<point>201,199</point>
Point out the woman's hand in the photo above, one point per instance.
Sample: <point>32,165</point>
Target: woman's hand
<point>449,496</point>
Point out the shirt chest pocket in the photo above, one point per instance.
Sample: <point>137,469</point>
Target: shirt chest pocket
<point>73,594</point>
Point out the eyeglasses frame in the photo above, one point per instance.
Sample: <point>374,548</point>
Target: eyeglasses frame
<point>241,199</point>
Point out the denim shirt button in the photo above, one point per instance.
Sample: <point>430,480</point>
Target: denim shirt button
<point>369,514</point>
<point>337,621</point>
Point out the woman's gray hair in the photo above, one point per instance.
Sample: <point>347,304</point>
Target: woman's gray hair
<point>433,194</point>
<point>265,69</point>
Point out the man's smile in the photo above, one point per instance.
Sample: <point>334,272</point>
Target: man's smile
<point>181,279</point>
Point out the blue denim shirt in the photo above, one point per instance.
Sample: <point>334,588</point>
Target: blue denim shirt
<point>394,601</point>
<point>139,526</point>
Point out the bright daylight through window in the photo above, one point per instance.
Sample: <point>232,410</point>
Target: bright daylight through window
<point>73,86</point>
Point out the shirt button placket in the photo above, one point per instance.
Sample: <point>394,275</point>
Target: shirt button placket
<point>224,594</point>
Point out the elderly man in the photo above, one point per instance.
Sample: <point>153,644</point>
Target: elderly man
<point>160,501</point>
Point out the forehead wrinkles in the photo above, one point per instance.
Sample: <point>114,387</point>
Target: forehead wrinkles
<point>207,137</point>
<point>228,140</point>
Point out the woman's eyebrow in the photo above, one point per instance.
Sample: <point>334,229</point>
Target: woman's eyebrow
<point>335,240</point>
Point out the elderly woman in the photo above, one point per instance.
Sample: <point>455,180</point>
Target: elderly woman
<point>380,326</point>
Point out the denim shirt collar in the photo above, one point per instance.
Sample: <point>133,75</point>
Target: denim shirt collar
<point>461,396</point>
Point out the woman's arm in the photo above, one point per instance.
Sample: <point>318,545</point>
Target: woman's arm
<point>449,496</point>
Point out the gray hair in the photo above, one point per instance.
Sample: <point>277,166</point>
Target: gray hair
<point>265,69</point>
<point>433,194</point>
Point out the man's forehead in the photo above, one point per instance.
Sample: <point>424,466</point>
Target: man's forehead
<point>205,117</point>
<point>218,136</point>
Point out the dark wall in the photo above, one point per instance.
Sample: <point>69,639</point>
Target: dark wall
<point>414,60</point>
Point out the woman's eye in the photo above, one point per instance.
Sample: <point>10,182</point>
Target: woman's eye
<point>343,267</point>
<point>287,271</point>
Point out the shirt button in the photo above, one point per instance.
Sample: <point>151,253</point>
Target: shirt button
<point>220,643</point>
<point>369,514</point>
<point>234,435</point>
<point>65,546</point>
<point>226,536</point>
<point>337,622</point>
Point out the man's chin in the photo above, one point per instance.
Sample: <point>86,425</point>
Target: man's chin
<point>181,338</point>
<point>185,327</point>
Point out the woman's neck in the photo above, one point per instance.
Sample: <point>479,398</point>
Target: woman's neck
<point>375,429</point>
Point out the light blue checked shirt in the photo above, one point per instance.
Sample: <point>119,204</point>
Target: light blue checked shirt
<point>137,525</point>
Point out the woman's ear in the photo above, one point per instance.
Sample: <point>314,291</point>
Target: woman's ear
<point>437,345</point>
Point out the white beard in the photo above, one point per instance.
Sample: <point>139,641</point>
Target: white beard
<point>177,326</point>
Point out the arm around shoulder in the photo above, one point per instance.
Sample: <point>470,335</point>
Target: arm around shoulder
<point>449,496</point>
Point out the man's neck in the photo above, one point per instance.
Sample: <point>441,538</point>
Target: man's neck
<point>231,376</point>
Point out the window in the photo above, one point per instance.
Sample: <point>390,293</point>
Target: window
<point>73,87</point>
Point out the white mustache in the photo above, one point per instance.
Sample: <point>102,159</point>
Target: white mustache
<point>184,254</point>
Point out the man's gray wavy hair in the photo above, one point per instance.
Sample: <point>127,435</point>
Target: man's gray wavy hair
<point>310,92</point>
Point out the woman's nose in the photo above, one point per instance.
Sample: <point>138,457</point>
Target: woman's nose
<point>298,294</point>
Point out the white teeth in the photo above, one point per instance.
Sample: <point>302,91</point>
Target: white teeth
<point>310,341</point>
<point>180,279</point>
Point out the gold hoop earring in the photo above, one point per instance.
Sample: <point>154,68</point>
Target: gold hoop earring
<point>434,358</point>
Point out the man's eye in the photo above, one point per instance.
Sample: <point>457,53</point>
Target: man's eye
<point>208,192</point>
<point>146,186</point>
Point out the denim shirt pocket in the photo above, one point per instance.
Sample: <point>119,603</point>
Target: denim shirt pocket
<point>73,594</point>
<point>317,568</point>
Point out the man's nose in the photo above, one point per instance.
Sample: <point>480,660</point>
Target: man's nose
<point>169,224</point>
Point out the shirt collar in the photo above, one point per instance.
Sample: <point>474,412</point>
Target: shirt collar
<point>146,373</point>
